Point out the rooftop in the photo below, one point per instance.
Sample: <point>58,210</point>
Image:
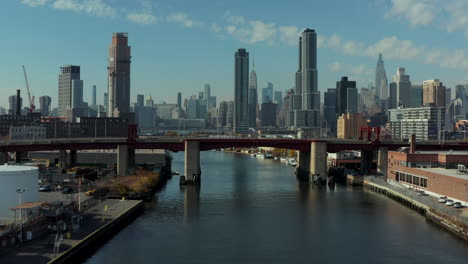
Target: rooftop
<point>448,172</point>
<point>11,168</point>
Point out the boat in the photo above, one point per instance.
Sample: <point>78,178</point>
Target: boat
<point>267,156</point>
<point>253,155</point>
<point>283,159</point>
<point>449,203</point>
<point>292,162</point>
<point>457,205</point>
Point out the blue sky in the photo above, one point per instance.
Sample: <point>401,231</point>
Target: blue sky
<point>180,45</point>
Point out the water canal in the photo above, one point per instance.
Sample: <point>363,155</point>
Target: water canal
<point>249,210</point>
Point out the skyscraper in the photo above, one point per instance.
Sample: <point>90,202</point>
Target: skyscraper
<point>67,88</point>
<point>352,100</point>
<point>342,88</point>
<point>13,104</point>
<point>433,93</point>
<point>403,87</point>
<point>106,102</point>
<point>381,79</point>
<point>140,100</point>
<point>179,99</point>
<point>119,75</point>
<point>267,93</point>
<point>253,98</point>
<point>241,90</point>
<point>278,98</point>
<point>93,92</point>
<point>416,95</point>
<point>392,98</point>
<point>329,110</point>
<point>305,107</point>
<point>44,103</point>
<point>207,92</point>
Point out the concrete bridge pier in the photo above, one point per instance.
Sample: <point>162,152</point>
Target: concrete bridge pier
<point>122,160</point>
<point>3,158</point>
<point>73,158</point>
<point>318,160</point>
<point>366,162</point>
<point>382,161</point>
<point>63,159</point>
<point>192,161</point>
<point>303,168</point>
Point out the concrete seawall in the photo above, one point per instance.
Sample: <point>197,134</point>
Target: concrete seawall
<point>83,249</point>
<point>453,224</point>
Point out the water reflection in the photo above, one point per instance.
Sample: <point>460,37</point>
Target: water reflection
<point>191,202</point>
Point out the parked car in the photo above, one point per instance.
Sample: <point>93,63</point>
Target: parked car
<point>457,205</point>
<point>449,203</point>
<point>45,188</point>
<point>67,190</point>
<point>443,199</point>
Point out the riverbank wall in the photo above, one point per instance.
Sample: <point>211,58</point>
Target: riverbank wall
<point>85,247</point>
<point>449,221</point>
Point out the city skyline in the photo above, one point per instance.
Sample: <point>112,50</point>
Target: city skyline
<point>338,54</point>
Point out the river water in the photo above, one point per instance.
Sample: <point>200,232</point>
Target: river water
<point>249,210</point>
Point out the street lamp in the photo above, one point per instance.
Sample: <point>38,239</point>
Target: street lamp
<point>20,192</point>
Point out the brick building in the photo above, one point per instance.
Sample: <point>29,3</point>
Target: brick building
<point>436,173</point>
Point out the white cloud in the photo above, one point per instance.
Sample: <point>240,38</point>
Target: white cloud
<point>144,16</point>
<point>335,67</point>
<point>395,48</point>
<point>289,34</point>
<point>417,12</point>
<point>183,19</point>
<point>216,28</point>
<point>92,7</point>
<point>232,19</point>
<point>254,32</point>
<point>34,3</point>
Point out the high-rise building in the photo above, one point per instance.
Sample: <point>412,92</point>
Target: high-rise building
<point>241,90</point>
<point>352,100</point>
<point>193,108</point>
<point>393,96</point>
<point>349,125</point>
<point>433,93</point>
<point>425,122</point>
<point>342,87</point>
<point>305,107</point>
<point>230,115</point>
<point>403,87</point>
<point>268,114</point>
<point>222,114</point>
<point>77,94</point>
<point>329,111</point>
<point>448,96</point>
<point>179,99</point>
<point>461,93</point>
<point>93,93</point>
<point>206,91</point>
<point>278,99</point>
<point>416,95</point>
<point>381,79</point>
<point>119,75</point>
<point>44,103</point>
<point>69,90</point>
<point>12,100</point>
<point>106,102</point>
<point>253,97</point>
<point>267,93</point>
<point>140,100</point>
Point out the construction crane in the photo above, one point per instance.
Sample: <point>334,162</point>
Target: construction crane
<point>31,99</point>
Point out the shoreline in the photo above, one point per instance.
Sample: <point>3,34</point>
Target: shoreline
<point>455,224</point>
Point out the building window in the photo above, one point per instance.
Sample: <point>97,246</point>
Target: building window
<point>423,182</point>
<point>397,176</point>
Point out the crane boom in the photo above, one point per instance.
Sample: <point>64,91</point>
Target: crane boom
<point>31,100</point>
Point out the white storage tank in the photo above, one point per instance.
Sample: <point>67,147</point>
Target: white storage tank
<point>13,178</point>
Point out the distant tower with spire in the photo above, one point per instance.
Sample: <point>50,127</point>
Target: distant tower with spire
<point>253,96</point>
<point>381,85</point>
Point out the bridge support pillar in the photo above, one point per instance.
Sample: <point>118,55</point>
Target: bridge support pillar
<point>303,168</point>
<point>19,157</point>
<point>318,160</point>
<point>192,161</point>
<point>3,158</point>
<point>131,158</point>
<point>73,158</point>
<point>122,160</point>
<point>63,159</point>
<point>382,161</point>
<point>366,162</point>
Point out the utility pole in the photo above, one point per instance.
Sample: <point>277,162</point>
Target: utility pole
<point>20,192</point>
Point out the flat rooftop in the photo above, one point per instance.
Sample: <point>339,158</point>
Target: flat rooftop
<point>449,172</point>
<point>445,152</point>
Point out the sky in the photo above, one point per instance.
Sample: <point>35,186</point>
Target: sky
<point>181,45</point>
